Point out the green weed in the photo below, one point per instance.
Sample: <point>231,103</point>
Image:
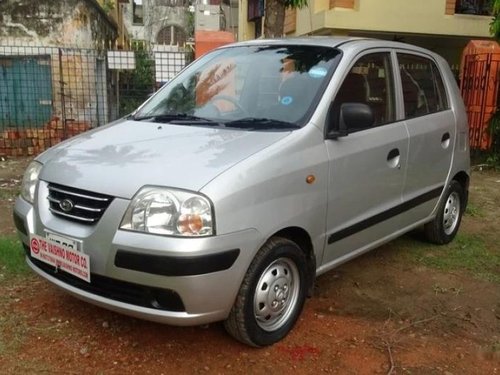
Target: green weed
<point>6,193</point>
<point>13,331</point>
<point>495,347</point>
<point>466,252</point>
<point>12,261</point>
<point>473,211</point>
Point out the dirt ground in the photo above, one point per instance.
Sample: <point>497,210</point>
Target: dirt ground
<point>383,313</point>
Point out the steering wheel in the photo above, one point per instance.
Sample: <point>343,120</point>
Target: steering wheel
<point>231,100</point>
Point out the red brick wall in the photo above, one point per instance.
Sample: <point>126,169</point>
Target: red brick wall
<point>32,141</point>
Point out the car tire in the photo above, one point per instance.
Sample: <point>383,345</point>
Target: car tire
<point>271,296</point>
<point>445,225</point>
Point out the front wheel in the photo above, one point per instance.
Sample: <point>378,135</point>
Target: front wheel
<point>271,296</point>
<point>445,225</point>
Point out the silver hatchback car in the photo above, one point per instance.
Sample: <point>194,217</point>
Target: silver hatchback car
<point>260,166</point>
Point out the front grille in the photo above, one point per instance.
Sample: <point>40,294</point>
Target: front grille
<point>135,294</point>
<point>77,205</point>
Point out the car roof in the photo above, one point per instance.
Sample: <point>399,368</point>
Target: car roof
<point>326,41</point>
<point>343,43</point>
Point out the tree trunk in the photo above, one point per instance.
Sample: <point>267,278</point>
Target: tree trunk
<point>274,21</point>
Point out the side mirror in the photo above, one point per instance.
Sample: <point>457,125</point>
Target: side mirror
<point>352,117</point>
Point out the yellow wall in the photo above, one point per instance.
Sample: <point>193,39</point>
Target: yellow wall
<point>401,16</point>
<point>246,30</point>
<point>393,16</point>
<point>320,5</point>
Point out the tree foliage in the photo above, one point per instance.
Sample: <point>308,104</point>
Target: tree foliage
<point>495,22</point>
<point>494,122</point>
<point>136,85</point>
<point>107,5</point>
<point>494,128</point>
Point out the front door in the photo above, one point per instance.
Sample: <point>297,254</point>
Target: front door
<point>367,167</point>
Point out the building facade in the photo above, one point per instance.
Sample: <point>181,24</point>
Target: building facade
<point>81,23</point>
<point>445,26</point>
<point>165,22</point>
<point>114,9</point>
<point>53,74</point>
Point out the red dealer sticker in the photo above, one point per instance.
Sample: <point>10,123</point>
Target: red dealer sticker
<point>35,248</point>
<point>60,256</point>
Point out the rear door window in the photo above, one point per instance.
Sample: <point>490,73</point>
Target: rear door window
<point>423,88</point>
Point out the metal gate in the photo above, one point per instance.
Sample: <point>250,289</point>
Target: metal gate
<point>48,94</point>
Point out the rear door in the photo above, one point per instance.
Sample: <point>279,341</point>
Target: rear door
<point>431,128</point>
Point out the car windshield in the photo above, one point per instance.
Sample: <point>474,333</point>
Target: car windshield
<point>252,87</point>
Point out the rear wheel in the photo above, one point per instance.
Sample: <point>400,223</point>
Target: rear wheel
<point>445,225</point>
<point>271,296</point>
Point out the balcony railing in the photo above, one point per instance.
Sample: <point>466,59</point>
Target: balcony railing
<point>474,7</point>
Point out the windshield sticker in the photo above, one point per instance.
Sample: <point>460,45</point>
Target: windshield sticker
<point>317,72</point>
<point>286,100</point>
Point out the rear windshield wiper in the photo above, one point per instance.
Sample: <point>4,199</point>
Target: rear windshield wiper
<point>255,123</point>
<point>178,118</point>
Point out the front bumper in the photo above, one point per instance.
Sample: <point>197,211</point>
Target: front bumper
<point>178,281</point>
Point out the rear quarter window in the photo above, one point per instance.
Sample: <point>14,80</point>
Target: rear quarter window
<point>423,88</point>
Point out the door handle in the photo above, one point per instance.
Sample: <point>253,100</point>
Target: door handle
<point>394,159</point>
<point>445,140</point>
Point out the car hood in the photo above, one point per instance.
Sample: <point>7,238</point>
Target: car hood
<point>119,159</point>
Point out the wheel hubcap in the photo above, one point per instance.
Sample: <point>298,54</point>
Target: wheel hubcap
<point>451,213</point>
<point>276,294</point>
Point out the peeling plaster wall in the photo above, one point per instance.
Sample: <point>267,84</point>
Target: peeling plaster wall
<point>79,85</point>
<point>75,34</point>
<point>76,23</point>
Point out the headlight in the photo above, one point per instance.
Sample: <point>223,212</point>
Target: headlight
<point>30,180</point>
<point>169,212</point>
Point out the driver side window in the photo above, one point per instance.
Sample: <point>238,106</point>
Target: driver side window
<point>369,82</point>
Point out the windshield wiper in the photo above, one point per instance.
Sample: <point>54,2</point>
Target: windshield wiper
<point>164,117</point>
<point>178,118</point>
<point>256,123</point>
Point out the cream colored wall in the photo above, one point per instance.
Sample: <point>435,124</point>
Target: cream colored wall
<point>401,16</point>
<point>320,5</point>
<point>246,30</point>
<point>394,16</point>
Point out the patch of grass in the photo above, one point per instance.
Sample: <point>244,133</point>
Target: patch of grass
<point>13,331</point>
<point>466,252</point>
<point>473,211</point>
<point>12,261</point>
<point>13,328</point>
<point>495,347</point>
<point>441,290</point>
<point>9,193</point>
